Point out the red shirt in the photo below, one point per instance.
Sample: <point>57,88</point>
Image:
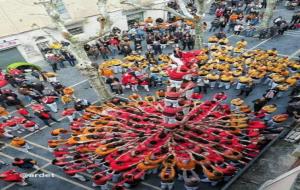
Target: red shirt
<point>11,176</point>
<point>44,115</point>
<point>37,107</point>
<point>19,120</point>
<point>68,112</point>
<point>2,128</point>
<point>48,99</point>
<point>173,95</point>
<point>197,96</point>
<point>126,78</point>
<point>29,124</point>
<point>175,75</point>
<point>102,180</point>
<point>133,80</point>
<point>114,42</point>
<point>23,111</point>
<point>171,111</point>
<point>10,123</point>
<point>74,171</point>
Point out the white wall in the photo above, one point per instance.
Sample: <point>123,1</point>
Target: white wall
<point>156,13</point>
<point>119,19</point>
<point>91,27</point>
<point>27,46</point>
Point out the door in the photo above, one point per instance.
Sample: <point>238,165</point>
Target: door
<point>9,56</point>
<point>135,18</point>
<point>43,47</point>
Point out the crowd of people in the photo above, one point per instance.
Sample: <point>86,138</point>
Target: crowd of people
<point>172,132</point>
<point>160,122</point>
<point>57,54</point>
<point>43,94</point>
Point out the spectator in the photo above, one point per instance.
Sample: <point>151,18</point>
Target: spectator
<point>45,116</point>
<point>13,176</point>
<point>238,28</point>
<point>116,86</point>
<point>126,50</point>
<point>215,24</point>
<point>68,57</point>
<point>259,103</point>
<point>25,163</point>
<point>104,52</point>
<point>157,48</point>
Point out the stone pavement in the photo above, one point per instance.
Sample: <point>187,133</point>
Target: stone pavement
<point>274,162</point>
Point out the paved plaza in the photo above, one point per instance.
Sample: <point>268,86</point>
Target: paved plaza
<point>274,161</point>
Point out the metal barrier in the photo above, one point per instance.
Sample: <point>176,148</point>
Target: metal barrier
<point>241,172</point>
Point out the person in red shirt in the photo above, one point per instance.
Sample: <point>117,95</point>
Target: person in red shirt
<point>172,95</point>
<point>69,113</point>
<point>50,101</point>
<point>73,172</point>
<point>118,187</point>
<point>25,163</point>
<point>101,180</point>
<point>13,176</point>
<point>4,131</point>
<point>125,80</point>
<point>134,84</point>
<point>169,113</point>
<point>30,125</point>
<point>45,116</point>
<point>220,96</point>
<point>24,112</point>
<point>145,81</point>
<point>131,178</point>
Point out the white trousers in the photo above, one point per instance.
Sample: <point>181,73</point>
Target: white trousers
<point>79,177</point>
<point>146,87</point>
<point>33,128</point>
<point>53,107</point>
<point>169,102</point>
<point>134,87</point>
<point>117,69</point>
<point>212,84</point>
<point>188,93</point>
<point>175,83</point>
<point>167,186</point>
<point>226,84</point>
<point>239,85</point>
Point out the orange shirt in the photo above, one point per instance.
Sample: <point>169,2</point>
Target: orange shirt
<point>233,17</point>
<point>107,72</point>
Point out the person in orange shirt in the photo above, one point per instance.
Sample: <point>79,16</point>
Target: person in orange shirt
<point>233,17</point>
<point>19,142</point>
<point>232,21</point>
<point>107,72</point>
<point>3,113</point>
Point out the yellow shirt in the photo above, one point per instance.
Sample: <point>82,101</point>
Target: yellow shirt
<point>226,78</point>
<point>213,77</point>
<point>241,44</point>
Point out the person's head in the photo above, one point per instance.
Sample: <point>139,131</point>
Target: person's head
<point>17,159</point>
<point>194,180</point>
<point>96,177</point>
<point>10,98</point>
<point>54,161</point>
<point>118,187</point>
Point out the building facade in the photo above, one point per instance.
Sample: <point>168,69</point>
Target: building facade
<point>26,28</point>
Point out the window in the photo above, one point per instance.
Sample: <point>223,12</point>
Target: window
<point>61,9</point>
<point>76,30</point>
